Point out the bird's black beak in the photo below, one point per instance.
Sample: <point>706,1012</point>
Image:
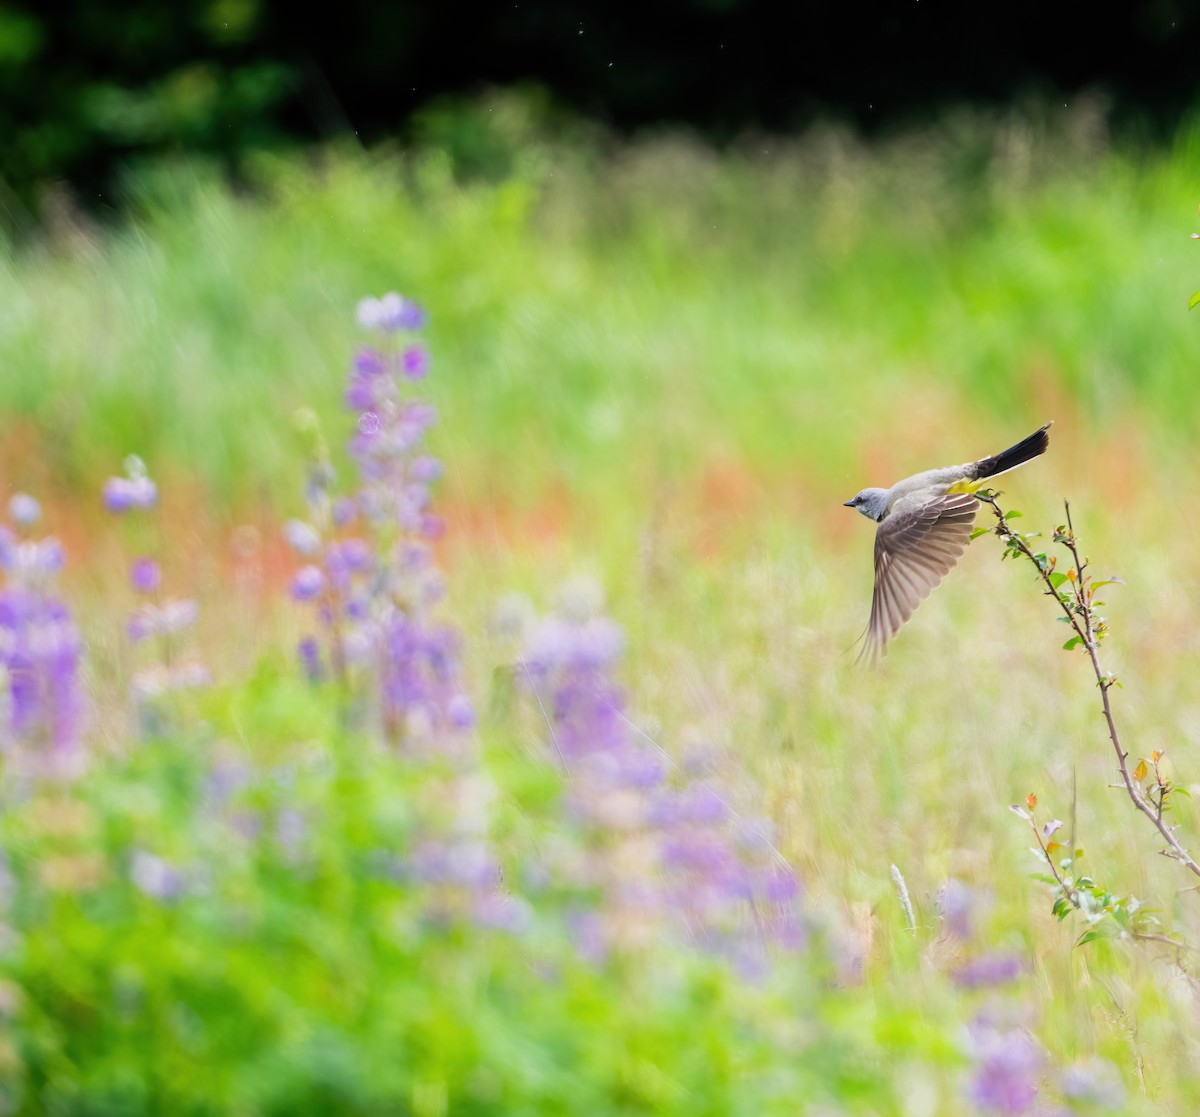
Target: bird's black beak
<point>847,504</point>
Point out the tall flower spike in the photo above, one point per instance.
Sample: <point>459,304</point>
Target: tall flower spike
<point>370,576</point>
<point>663,850</point>
<point>40,654</point>
<point>156,621</point>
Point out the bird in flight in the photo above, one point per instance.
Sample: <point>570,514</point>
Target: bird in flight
<point>924,526</point>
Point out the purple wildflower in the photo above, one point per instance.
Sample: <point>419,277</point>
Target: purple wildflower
<point>122,494</point>
<point>1006,1072</point>
<point>133,491</point>
<point>658,851</point>
<point>40,654</point>
<point>310,658</point>
<point>155,877</point>
<point>145,575</point>
<point>957,902</point>
<point>308,583</point>
<point>24,510</point>
<point>162,620</point>
<point>988,970</point>
<point>303,538</point>
<point>425,468</point>
<point>390,314</point>
<point>374,593</point>
<point>415,362</point>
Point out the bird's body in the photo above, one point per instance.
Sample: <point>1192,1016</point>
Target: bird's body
<point>925,524</point>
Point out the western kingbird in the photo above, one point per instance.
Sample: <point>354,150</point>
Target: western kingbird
<point>924,527</point>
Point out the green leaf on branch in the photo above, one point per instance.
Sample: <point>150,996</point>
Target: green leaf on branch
<point>1194,301</point>
<point>980,531</point>
<point>1015,514</point>
<point>1074,642</point>
<point>1057,579</point>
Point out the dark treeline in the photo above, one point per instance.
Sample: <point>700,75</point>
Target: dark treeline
<point>85,84</point>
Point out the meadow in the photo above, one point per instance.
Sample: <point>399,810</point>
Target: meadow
<point>658,371</point>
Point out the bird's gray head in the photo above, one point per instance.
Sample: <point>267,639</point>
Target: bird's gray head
<point>872,503</point>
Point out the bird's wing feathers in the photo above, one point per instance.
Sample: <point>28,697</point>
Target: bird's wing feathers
<point>914,550</point>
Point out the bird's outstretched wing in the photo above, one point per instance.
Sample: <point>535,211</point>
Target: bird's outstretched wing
<point>914,550</point>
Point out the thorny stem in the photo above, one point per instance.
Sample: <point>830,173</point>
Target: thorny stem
<point>1079,614</point>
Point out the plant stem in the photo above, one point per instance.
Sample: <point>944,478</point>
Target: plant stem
<point>1079,615</point>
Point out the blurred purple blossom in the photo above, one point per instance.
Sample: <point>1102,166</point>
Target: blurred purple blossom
<point>122,494</point>
<point>662,851</point>
<point>988,970</point>
<point>957,903</point>
<point>309,651</point>
<point>162,669</point>
<point>390,314</point>
<point>155,877</point>
<point>374,593</point>
<point>308,583</point>
<point>171,616</point>
<point>1007,1065</point>
<point>41,698</point>
<point>415,362</point>
<point>145,575</point>
<point>303,538</point>
<point>24,510</point>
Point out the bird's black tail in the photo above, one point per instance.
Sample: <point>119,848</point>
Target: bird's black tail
<point>1016,455</point>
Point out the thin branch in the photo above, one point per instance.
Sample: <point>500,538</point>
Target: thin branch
<point>1070,893</point>
<point>1079,612</point>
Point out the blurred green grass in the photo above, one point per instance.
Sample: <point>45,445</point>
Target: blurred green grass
<point>670,366</point>
<point>601,313</point>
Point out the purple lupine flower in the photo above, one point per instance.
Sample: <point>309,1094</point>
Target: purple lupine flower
<point>957,903</point>
<point>503,913</point>
<point>135,490</point>
<point>344,512</point>
<point>145,575</point>
<point>164,669</point>
<point>155,877</point>
<point>368,361</point>
<point>40,655</point>
<point>425,468</point>
<point>161,620</point>
<point>309,652</point>
<point>24,510</point>
<point>390,314</point>
<point>308,583</point>
<point>1007,1064</point>
<point>460,712</point>
<point>415,362</point>
<point>988,970</point>
<point>374,593</point>
<point>122,494</point>
<point>695,862</point>
<point>303,538</point>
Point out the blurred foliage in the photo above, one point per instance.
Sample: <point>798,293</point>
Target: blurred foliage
<point>87,84</point>
<point>602,303</point>
<point>293,974</point>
